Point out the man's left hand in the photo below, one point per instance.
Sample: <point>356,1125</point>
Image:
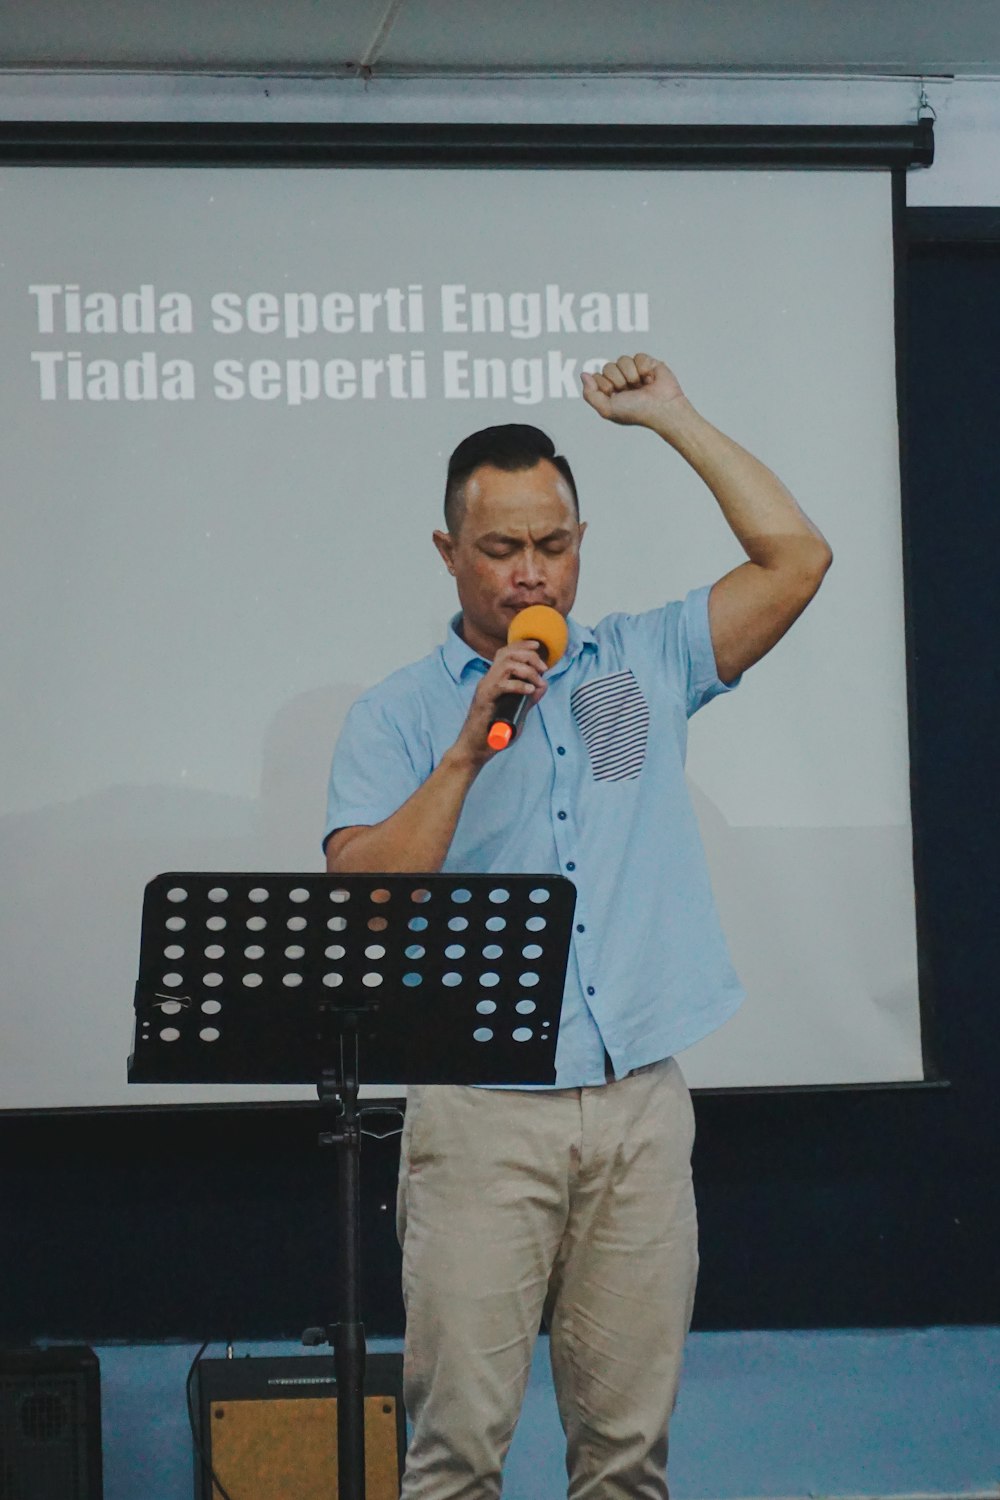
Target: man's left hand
<point>636,390</point>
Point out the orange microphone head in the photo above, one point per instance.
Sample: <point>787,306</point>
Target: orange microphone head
<point>541,623</point>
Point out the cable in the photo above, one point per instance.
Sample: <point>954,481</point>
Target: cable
<point>381,1109</point>
<point>206,1462</point>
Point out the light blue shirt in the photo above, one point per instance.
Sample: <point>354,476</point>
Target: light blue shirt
<point>592,788</point>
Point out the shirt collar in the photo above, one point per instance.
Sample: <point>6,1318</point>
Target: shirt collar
<point>461,660</point>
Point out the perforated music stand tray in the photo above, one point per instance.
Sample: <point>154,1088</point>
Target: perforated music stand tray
<point>339,980</point>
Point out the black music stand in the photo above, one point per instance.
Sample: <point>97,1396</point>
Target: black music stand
<point>342,980</point>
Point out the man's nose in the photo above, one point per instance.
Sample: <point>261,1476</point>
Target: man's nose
<point>530,570</point>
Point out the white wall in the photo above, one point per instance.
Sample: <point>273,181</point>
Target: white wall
<point>966,171</point>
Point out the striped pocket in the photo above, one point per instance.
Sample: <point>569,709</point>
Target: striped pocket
<point>613,717</point>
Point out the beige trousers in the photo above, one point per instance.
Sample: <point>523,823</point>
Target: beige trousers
<point>572,1203</point>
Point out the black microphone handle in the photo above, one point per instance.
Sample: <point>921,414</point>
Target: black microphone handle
<point>510,708</point>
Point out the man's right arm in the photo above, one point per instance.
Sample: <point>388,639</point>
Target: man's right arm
<point>417,836</point>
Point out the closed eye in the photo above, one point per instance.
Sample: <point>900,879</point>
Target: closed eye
<point>500,547</point>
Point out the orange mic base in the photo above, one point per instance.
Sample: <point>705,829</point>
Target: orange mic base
<point>500,736</point>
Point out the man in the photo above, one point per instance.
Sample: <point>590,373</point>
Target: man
<point>576,1201</point>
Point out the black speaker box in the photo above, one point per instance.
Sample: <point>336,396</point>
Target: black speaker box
<point>50,1424</point>
<point>267,1428</point>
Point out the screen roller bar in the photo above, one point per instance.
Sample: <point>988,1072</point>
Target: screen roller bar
<point>132,143</point>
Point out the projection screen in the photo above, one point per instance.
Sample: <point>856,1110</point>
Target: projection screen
<point>229,398</point>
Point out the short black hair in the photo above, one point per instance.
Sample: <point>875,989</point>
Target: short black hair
<point>511,446</point>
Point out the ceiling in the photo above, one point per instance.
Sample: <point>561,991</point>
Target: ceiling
<point>341,38</point>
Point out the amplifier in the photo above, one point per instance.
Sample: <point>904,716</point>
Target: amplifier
<point>50,1424</point>
<point>268,1427</point>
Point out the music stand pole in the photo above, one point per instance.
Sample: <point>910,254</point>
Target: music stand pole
<point>338,1095</point>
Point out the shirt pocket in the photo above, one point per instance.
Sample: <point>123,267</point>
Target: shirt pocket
<point>613,717</point>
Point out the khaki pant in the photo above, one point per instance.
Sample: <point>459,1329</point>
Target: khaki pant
<point>572,1203</point>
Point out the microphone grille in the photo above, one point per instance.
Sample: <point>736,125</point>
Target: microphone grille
<point>539,622</point>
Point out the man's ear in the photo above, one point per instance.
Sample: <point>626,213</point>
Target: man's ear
<point>445,543</point>
<point>579,535</point>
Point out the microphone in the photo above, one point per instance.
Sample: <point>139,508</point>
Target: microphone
<point>536,623</point>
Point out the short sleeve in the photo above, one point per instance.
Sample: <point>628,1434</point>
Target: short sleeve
<point>372,773</point>
<point>696,654</point>
<point>677,639</point>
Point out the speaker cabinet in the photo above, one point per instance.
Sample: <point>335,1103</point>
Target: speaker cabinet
<point>50,1424</point>
<point>268,1428</point>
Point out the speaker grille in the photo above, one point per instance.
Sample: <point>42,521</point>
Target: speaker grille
<point>50,1425</point>
<point>45,1416</point>
<point>274,1449</point>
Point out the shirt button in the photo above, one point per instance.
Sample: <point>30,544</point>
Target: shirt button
<point>570,865</point>
<point>580,927</point>
<point>560,749</point>
<point>562,815</point>
<point>590,989</point>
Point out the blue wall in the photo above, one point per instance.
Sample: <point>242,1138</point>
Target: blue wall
<point>760,1414</point>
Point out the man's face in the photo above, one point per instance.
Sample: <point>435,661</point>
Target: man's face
<point>518,544</point>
